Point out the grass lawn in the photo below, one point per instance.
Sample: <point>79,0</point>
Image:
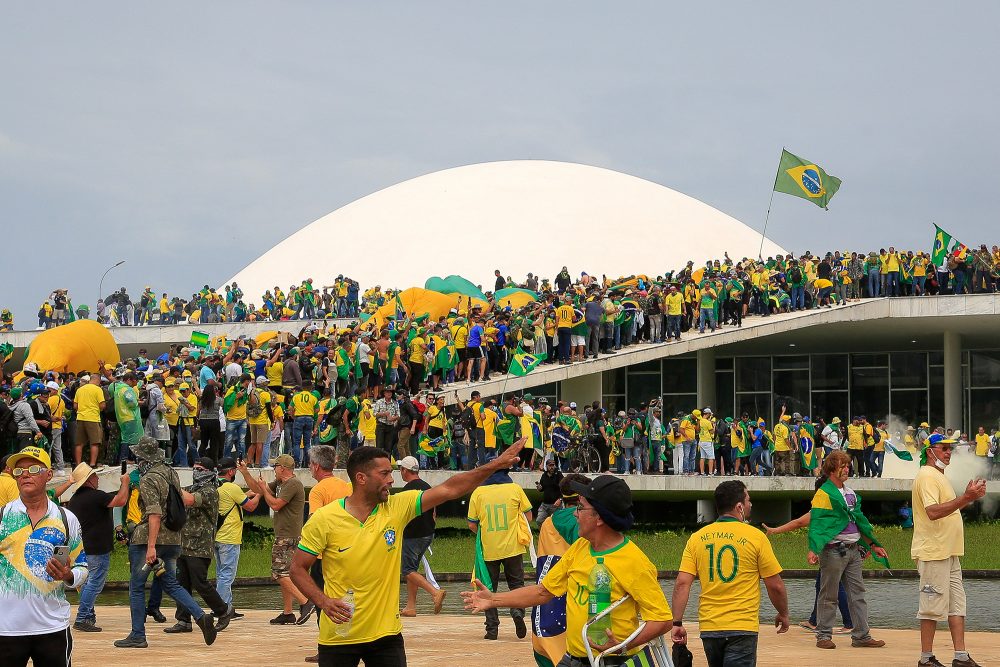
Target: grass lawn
<point>454,548</point>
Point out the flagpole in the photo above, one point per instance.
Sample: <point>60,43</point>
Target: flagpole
<point>760,251</point>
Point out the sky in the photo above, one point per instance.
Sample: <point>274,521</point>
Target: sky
<point>188,138</point>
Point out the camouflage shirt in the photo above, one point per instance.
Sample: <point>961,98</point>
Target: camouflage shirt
<point>153,489</point>
<point>198,534</point>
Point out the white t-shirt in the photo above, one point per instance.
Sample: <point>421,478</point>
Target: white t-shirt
<point>32,603</point>
<point>831,437</point>
<point>363,351</point>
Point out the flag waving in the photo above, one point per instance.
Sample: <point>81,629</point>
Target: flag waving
<point>944,245</point>
<point>523,362</point>
<point>802,178</point>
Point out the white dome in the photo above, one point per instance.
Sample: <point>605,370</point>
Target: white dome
<point>519,216</point>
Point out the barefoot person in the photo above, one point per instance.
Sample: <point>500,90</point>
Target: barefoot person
<point>358,538</point>
<point>417,538</point>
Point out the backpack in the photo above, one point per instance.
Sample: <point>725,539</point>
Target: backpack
<point>254,408</point>
<point>795,274</point>
<point>174,514</point>
<point>467,419</point>
<point>8,426</point>
<point>457,430</point>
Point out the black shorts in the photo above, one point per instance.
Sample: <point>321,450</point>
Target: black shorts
<point>53,649</point>
<point>463,354</point>
<point>474,353</point>
<point>384,652</point>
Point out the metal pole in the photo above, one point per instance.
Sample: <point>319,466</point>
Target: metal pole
<point>100,288</point>
<point>760,251</point>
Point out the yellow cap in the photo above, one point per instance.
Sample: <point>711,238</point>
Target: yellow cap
<point>33,453</point>
<point>184,385</point>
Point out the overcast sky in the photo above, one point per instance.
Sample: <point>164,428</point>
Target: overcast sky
<point>188,138</point>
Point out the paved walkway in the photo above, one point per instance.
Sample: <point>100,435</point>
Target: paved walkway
<point>457,640</point>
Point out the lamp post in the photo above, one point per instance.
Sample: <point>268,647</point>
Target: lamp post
<point>100,289</point>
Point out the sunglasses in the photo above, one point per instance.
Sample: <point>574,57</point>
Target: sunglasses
<point>30,470</point>
<point>945,448</point>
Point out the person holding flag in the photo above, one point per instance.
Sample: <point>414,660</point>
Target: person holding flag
<point>810,456</point>
<point>839,537</point>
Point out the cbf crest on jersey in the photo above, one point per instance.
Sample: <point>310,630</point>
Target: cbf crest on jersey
<point>390,538</point>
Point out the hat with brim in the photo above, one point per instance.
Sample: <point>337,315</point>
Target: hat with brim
<point>608,494</point>
<point>34,453</point>
<point>81,474</point>
<point>147,449</point>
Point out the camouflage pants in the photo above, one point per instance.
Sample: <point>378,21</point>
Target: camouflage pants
<point>343,449</point>
<point>281,557</point>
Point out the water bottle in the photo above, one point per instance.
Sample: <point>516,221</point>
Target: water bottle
<point>600,599</point>
<point>343,629</point>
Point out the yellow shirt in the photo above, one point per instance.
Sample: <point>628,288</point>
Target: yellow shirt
<point>231,531</point>
<point>436,417</point>
<point>305,404</point>
<point>461,336</point>
<point>729,558</point>
<point>490,420</point>
<point>57,407</point>
<point>88,399</point>
<point>365,558</point>
<point>564,317</point>
<point>982,444</point>
<point>192,403</point>
<point>367,421</point>
<point>892,262</point>
<point>632,574</point>
<point>262,419</point>
<point>164,306</point>
<point>855,437</point>
<point>675,302</point>
<point>326,491</point>
<point>705,428</point>
<point>8,489</point>
<point>239,409</point>
<point>940,539</point>
<point>273,373</point>
<point>919,267</point>
<point>417,348</point>
<point>497,510</point>
<point>781,435</point>
<point>171,403</point>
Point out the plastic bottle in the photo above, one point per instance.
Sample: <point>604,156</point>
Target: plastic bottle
<point>600,599</point>
<point>343,629</point>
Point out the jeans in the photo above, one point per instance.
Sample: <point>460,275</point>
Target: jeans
<point>798,298</point>
<point>690,454</point>
<point>674,326</point>
<point>302,429</point>
<point>564,335</point>
<point>841,565</point>
<point>459,455</point>
<point>187,449</point>
<point>959,281</point>
<point>892,283</point>
<point>97,566</point>
<point>760,461</point>
<point>227,557</point>
<point>594,339</point>
<point>265,449</point>
<point>730,649</point>
<point>707,315</point>
<point>236,435</point>
<point>875,462</point>
<point>873,282</point>
<point>137,585</point>
<point>918,285</point>
<point>655,328</point>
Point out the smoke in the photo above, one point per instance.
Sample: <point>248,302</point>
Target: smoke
<point>965,466</point>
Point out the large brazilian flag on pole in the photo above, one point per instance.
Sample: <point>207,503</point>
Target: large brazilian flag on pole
<point>801,178</point>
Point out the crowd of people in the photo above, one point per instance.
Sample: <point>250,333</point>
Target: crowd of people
<point>735,289</point>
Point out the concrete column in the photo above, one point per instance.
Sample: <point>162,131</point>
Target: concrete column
<point>953,417</point>
<point>706,378</point>
<point>584,389</point>
<point>706,511</point>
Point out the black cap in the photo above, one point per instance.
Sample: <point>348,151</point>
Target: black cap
<point>608,491</point>
<point>227,463</point>
<point>205,462</point>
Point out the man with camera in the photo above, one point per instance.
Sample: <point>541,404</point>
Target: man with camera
<point>155,544</point>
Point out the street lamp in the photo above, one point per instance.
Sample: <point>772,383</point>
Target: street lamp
<point>100,289</point>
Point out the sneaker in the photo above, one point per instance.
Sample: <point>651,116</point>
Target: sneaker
<point>964,663</point>
<point>825,643</point>
<point>520,628</point>
<point>491,634</point>
<point>132,642</point>
<point>312,658</point>
<point>86,626</point>
<point>177,628</point>
<point>868,643</point>
<point>283,619</point>
<point>305,611</point>
<point>929,662</point>
<point>207,625</point>
<point>233,614</point>
<point>222,622</point>
<point>157,615</point>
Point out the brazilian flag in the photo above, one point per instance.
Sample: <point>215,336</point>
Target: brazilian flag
<point>805,179</point>
<point>523,362</point>
<point>807,446</point>
<point>830,515</point>
<point>6,352</point>
<point>479,569</point>
<point>900,452</point>
<point>506,430</point>
<point>944,245</point>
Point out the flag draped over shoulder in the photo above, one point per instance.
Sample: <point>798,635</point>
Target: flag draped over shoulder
<point>830,515</point>
<point>807,446</point>
<point>523,362</point>
<point>805,179</point>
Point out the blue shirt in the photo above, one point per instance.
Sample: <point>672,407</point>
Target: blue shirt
<point>204,376</point>
<point>475,336</point>
<point>502,335</point>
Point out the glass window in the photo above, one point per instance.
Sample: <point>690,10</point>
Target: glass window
<point>642,388</point>
<point>985,369</point>
<point>936,358</point>
<point>870,392</point>
<point>614,381</point>
<point>829,404</point>
<point>908,369</point>
<point>724,385</point>
<point>985,409</point>
<point>652,366</point>
<point>755,405</point>
<point>829,371</point>
<point>910,407</point>
<point>753,374</point>
<point>674,403</point>
<point>791,362</point>
<point>937,399</point>
<point>791,389</point>
<point>869,360</point>
<point>724,363</point>
<point>680,375</point>
<point>612,403</point>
